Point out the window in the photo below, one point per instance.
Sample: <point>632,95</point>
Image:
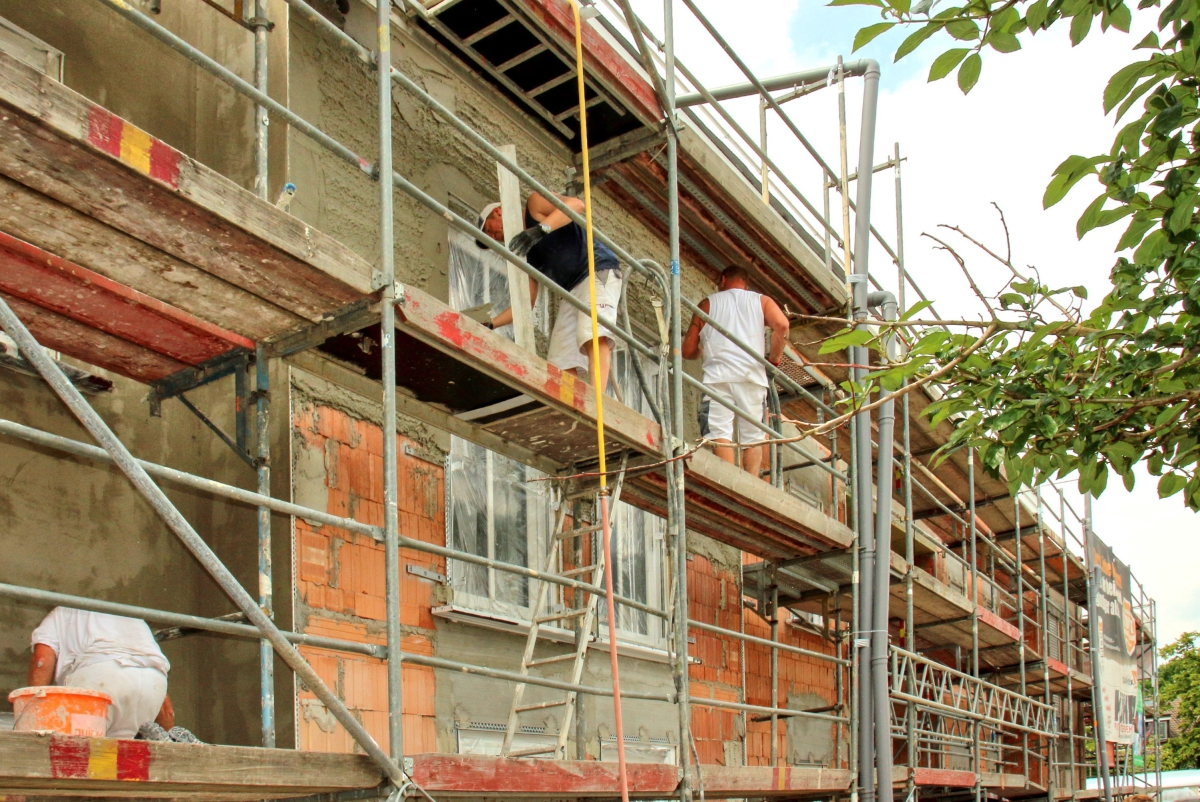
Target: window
<point>495,511</point>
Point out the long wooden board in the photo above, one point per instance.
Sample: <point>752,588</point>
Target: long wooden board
<point>56,765</point>
<point>58,143</point>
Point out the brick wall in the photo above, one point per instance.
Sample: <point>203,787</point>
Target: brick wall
<point>340,578</point>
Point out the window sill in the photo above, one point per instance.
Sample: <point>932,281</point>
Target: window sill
<point>515,626</point>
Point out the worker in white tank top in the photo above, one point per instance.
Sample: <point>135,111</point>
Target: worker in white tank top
<point>729,370</point>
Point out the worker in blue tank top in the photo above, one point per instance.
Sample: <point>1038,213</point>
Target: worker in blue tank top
<point>729,370</point>
<point>557,247</point>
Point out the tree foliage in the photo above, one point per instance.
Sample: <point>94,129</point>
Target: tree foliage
<point>1179,684</point>
<point>1051,389</point>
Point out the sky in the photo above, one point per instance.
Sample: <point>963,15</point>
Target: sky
<point>999,144</point>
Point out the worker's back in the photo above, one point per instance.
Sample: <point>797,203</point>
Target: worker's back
<point>81,638</point>
<point>740,313</point>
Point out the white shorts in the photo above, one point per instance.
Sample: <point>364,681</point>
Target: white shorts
<point>571,338</point>
<point>137,693</point>
<point>717,421</point>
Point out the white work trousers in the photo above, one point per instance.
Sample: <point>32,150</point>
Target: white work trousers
<point>137,693</point>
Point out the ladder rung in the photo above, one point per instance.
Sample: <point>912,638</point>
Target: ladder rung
<point>580,571</point>
<point>536,750</point>
<point>484,33</point>
<point>541,705</point>
<point>558,658</point>
<point>541,619</point>
<point>521,58</point>
<point>587,530</point>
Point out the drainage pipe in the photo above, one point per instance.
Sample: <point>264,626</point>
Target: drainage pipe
<point>882,706</point>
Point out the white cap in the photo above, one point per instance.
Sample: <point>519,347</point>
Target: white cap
<point>485,214</point>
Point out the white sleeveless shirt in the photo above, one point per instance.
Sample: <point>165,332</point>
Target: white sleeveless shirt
<point>740,313</point>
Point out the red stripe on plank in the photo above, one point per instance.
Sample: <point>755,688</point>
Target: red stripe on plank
<point>54,283</point>
<point>104,130</point>
<point>69,756</point>
<point>133,761</point>
<point>164,164</point>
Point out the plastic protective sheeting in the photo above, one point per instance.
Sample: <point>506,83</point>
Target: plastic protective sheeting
<point>495,511</point>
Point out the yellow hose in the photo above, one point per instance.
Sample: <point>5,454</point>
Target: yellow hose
<point>604,511</point>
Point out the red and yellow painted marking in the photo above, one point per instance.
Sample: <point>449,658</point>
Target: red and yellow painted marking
<point>133,146</point>
<point>99,759</point>
<point>567,387</point>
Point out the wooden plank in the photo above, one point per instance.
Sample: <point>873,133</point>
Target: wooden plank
<point>497,777</point>
<point>57,764</point>
<point>85,343</point>
<point>60,229</point>
<point>30,273</point>
<point>82,155</point>
<point>518,283</point>
<point>767,781</point>
<point>949,778</point>
<point>431,321</point>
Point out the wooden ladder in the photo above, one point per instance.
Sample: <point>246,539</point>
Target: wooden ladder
<point>583,632</point>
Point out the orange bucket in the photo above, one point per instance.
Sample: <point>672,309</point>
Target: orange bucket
<point>69,711</point>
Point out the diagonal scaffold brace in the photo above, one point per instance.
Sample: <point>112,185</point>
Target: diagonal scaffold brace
<point>162,505</point>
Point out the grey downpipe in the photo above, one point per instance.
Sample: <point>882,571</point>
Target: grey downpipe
<point>860,356</point>
<point>98,429</point>
<point>886,417</point>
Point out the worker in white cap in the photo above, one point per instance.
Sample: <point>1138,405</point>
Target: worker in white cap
<point>108,653</point>
<point>730,370</point>
<point>557,247</point>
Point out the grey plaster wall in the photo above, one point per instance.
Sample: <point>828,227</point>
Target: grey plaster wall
<point>75,526</point>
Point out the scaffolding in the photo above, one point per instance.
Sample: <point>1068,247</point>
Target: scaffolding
<point>962,657</point>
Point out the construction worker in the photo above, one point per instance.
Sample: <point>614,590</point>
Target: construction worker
<point>729,370</point>
<point>108,653</point>
<point>557,246</point>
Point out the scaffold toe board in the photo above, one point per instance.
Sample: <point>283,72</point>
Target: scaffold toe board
<point>57,765</point>
<point>91,188</point>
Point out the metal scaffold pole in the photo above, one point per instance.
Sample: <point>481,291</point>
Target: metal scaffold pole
<point>387,278</point>
<point>677,524</point>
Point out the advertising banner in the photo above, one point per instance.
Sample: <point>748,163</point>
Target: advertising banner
<point>1118,639</point>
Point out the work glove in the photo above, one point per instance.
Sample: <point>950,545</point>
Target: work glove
<point>523,243</point>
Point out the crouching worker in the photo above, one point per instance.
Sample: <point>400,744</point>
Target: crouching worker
<point>729,370</point>
<point>557,247</point>
<point>114,655</point>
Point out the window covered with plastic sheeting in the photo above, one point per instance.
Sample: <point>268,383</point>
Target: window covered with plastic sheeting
<point>494,510</point>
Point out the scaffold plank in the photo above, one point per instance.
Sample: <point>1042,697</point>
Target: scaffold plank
<point>59,765</point>
<point>57,142</point>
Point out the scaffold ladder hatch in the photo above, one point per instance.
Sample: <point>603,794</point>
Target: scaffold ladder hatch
<point>546,610</point>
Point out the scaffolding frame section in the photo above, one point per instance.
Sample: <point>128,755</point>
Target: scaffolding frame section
<point>931,709</point>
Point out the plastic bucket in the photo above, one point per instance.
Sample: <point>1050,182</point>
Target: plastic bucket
<point>69,711</point>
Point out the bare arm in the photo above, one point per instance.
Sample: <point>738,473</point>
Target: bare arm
<point>505,317</point>
<point>777,322</point>
<point>166,714</point>
<point>543,211</point>
<point>691,341</point>
<point>41,665</point>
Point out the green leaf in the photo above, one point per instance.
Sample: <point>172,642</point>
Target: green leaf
<point>1080,292</point>
<point>965,30</point>
<point>1003,42</point>
<point>870,32</point>
<point>1133,235</point>
<point>1088,220</point>
<point>901,6</point>
<point>1120,18</point>
<point>915,39</point>
<point>1036,15</point>
<point>943,64</point>
<point>1122,82</point>
<point>1181,215</point>
<point>915,308</point>
<point>968,73</point>
<point>1150,41</point>
<point>1142,89</point>
<point>1170,484</point>
<point>1080,25</point>
<point>850,338</point>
